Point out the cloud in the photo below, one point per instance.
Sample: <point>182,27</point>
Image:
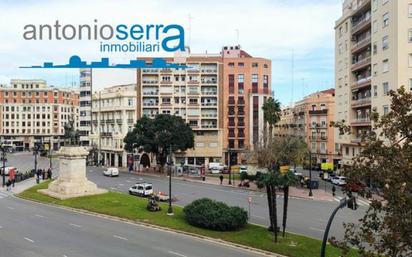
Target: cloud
<point>267,28</point>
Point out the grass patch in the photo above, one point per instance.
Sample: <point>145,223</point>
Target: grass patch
<point>134,208</point>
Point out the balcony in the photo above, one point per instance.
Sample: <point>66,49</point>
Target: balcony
<point>240,124</point>
<point>209,92</point>
<point>359,140</point>
<point>361,102</point>
<point>361,25</point>
<point>364,82</point>
<point>151,93</point>
<point>209,126</point>
<point>192,82</point>
<point>150,70</point>
<point>241,102</point>
<point>360,122</point>
<point>231,102</point>
<point>209,104</point>
<point>109,121</point>
<point>357,47</point>
<point>166,70</point>
<point>241,135</point>
<point>165,82</point>
<point>209,115</point>
<point>130,121</point>
<point>231,124</point>
<point>241,113</point>
<point>208,70</point>
<point>362,6</point>
<point>231,113</point>
<point>318,112</point>
<point>231,135</point>
<point>106,134</point>
<point>151,104</point>
<point>361,63</point>
<point>150,81</point>
<point>204,81</point>
<point>119,121</point>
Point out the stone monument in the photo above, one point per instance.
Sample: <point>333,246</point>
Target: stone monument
<point>72,181</point>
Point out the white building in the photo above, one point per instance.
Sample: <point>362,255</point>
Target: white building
<point>113,115</point>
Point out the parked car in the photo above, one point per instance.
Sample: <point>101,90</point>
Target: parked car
<point>111,172</point>
<point>141,189</point>
<point>243,169</point>
<point>215,166</point>
<point>355,187</point>
<point>339,180</point>
<point>215,170</point>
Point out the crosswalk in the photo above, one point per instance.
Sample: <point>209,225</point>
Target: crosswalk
<point>4,195</point>
<point>359,201</point>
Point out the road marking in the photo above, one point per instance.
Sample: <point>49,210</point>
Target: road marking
<point>10,208</point>
<point>178,254</point>
<point>75,225</point>
<point>39,216</point>
<point>120,237</point>
<point>128,181</point>
<point>28,239</point>
<point>317,229</point>
<point>121,184</point>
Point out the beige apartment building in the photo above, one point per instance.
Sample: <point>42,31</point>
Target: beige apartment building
<point>309,120</point>
<point>33,112</point>
<point>113,116</point>
<point>373,56</point>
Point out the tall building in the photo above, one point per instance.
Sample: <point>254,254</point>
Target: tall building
<point>32,112</point>
<point>219,95</point>
<point>246,86</point>
<point>85,108</point>
<point>113,115</point>
<point>373,56</point>
<point>193,94</point>
<point>309,120</point>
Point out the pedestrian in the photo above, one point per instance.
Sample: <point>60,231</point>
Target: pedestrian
<point>38,172</point>
<point>333,190</point>
<point>43,174</point>
<point>8,184</point>
<point>49,173</point>
<point>12,176</point>
<point>221,179</point>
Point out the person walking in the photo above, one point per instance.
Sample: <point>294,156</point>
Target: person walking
<point>43,174</point>
<point>12,176</point>
<point>49,173</point>
<point>333,190</point>
<point>221,179</point>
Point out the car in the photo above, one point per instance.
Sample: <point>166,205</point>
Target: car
<point>339,180</point>
<point>215,166</point>
<point>111,172</point>
<point>215,171</point>
<point>141,189</point>
<point>243,169</point>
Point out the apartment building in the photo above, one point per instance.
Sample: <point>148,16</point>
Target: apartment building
<point>113,115</point>
<point>193,94</point>
<point>246,86</point>
<point>33,112</point>
<point>85,108</point>
<point>309,119</point>
<point>373,56</point>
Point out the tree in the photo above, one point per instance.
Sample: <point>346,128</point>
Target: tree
<point>271,116</point>
<point>282,151</point>
<point>161,136</point>
<point>386,161</point>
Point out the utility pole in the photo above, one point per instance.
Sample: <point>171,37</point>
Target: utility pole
<point>170,162</point>
<point>3,152</point>
<point>50,152</point>
<point>229,165</point>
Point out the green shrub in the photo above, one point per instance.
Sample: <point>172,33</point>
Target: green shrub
<point>214,215</point>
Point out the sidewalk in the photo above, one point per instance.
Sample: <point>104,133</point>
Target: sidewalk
<point>294,192</point>
<point>21,186</point>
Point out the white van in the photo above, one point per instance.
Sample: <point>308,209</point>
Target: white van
<point>141,189</point>
<point>215,166</point>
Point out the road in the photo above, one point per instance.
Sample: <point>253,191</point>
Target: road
<point>29,229</point>
<point>307,217</point>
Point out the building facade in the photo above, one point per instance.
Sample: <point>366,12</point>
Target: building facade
<point>85,108</point>
<point>113,116</point>
<point>32,112</point>
<point>309,119</point>
<point>193,94</point>
<point>246,86</point>
<point>373,56</point>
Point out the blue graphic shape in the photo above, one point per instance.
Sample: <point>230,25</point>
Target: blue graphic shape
<point>75,62</point>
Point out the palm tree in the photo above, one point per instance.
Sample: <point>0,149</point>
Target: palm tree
<point>271,115</point>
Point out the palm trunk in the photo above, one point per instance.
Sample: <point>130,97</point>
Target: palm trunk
<point>269,197</point>
<point>285,207</point>
<point>265,134</point>
<point>274,214</point>
<point>270,133</point>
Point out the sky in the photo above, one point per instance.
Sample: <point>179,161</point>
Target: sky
<point>280,30</point>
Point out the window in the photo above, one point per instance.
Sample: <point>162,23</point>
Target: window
<point>410,84</point>
<point>375,47</point>
<point>385,42</point>
<point>385,88</point>
<point>410,60</point>
<point>375,26</point>
<point>385,65</point>
<point>375,90</point>
<point>410,36</point>
<point>385,20</point>
<point>240,78</point>
<point>385,110</point>
<point>375,5</point>
<point>375,69</point>
<point>410,10</point>
<point>241,64</point>
<point>254,64</point>
<point>254,78</point>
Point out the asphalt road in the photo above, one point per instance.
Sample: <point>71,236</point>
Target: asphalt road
<point>307,217</point>
<point>29,229</point>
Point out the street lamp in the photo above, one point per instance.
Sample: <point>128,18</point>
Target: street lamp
<point>170,162</point>
<point>50,152</point>
<point>3,155</point>
<point>35,153</point>
<point>310,174</point>
<point>229,165</point>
